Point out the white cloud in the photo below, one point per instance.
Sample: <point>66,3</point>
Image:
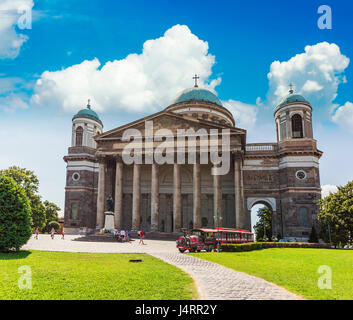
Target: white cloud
<point>10,40</point>
<point>316,73</point>
<point>143,82</point>
<point>12,101</point>
<point>327,189</point>
<point>311,86</point>
<point>244,114</point>
<point>344,116</point>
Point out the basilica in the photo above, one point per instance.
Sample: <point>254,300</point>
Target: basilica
<point>167,197</point>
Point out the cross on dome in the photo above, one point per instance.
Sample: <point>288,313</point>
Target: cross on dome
<point>196,77</point>
<point>89,104</point>
<point>291,88</point>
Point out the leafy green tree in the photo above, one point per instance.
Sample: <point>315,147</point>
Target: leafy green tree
<point>15,215</point>
<point>265,218</point>
<point>30,183</point>
<point>336,216</point>
<point>51,214</point>
<point>24,178</point>
<point>38,212</point>
<point>313,236</point>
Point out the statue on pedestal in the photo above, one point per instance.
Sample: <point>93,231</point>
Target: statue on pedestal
<point>110,204</point>
<point>109,215</point>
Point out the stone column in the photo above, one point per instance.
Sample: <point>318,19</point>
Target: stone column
<point>177,198</point>
<point>101,195</point>
<point>136,197</point>
<point>155,197</point>
<point>118,207</point>
<point>240,218</point>
<point>217,195</point>
<point>197,196</point>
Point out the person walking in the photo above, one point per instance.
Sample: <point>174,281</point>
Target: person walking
<point>127,234</point>
<point>122,235</point>
<point>36,233</point>
<point>52,233</point>
<point>141,236</point>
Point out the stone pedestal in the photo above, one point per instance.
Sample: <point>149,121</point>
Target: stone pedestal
<point>109,221</point>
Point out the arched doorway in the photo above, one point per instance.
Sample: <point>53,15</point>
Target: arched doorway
<point>257,206</point>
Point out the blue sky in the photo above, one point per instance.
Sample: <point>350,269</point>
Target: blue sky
<point>231,44</point>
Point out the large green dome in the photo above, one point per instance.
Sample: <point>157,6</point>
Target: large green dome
<point>197,94</point>
<point>87,113</point>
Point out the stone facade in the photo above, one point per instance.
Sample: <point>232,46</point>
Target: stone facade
<point>167,197</point>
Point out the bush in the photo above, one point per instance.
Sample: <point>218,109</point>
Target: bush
<point>241,247</point>
<point>15,215</point>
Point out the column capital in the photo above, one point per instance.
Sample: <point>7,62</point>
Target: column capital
<point>118,158</point>
<point>101,158</point>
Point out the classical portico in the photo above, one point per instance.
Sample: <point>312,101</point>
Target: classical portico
<point>187,194</point>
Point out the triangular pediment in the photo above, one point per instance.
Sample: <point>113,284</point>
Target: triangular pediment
<point>166,120</point>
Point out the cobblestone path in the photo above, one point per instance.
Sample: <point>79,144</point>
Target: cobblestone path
<point>216,282</point>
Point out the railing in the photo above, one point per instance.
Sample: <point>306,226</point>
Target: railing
<point>261,147</point>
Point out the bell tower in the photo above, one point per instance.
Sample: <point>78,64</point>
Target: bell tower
<point>82,173</point>
<point>293,118</point>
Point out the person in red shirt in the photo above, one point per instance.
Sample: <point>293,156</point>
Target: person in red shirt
<point>141,235</point>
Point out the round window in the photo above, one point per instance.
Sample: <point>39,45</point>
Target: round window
<point>76,176</point>
<point>301,175</point>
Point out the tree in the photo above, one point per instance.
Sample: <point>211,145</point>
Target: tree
<point>265,218</point>
<point>313,236</point>
<point>30,183</point>
<point>15,215</point>
<point>38,212</point>
<point>336,216</point>
<point>24,178</point>
<point>51,214</point>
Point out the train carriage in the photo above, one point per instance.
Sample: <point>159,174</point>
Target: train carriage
<point>208,239</point>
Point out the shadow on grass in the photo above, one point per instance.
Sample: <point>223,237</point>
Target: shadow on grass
<point>13,255</point>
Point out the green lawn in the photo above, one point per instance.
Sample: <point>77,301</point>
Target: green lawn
<point>62,275</point>
<point>294,269</point>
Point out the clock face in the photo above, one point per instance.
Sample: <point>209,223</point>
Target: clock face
<point>301,175</point>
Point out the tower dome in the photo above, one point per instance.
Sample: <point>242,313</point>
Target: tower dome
<point>85,125</point>
<point>87,113</point>
<point>293,117</point>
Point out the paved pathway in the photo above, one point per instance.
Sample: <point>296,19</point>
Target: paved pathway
<point>216,282</point>
<point>213,281</point>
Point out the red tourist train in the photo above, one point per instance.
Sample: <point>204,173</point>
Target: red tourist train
<point>208,239</point>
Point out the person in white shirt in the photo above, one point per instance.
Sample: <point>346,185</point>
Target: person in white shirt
<point>122,234</point>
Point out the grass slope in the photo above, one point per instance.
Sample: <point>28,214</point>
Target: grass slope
<point>294,269</point>
<point>62,275</point>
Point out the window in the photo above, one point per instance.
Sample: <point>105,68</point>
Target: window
<point>79,136</point>
<point>76,176</point>
<point>297,126</point>
<point>300,175</point>
<point>304,217</point>
<point>74,211</point>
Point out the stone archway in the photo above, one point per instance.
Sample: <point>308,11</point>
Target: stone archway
<point>269,202</point>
